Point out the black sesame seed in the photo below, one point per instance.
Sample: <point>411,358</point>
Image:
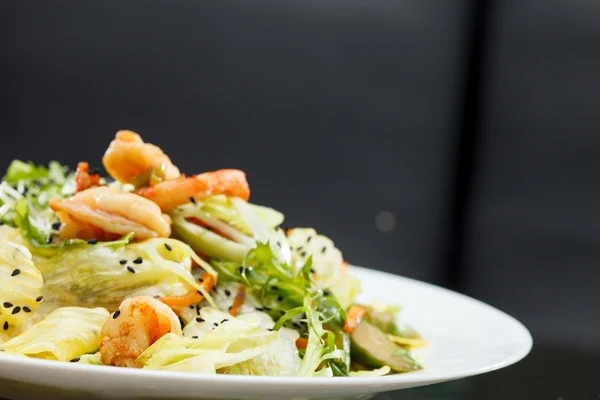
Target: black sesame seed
<point>26,309</point>
<point>279,244</point>
<point>198,319</point>
<point>200,279</point>
<point>123,262</point>
<point>138,260</point>
<point>326,292</point>
<point>323,250</point>
<point>312,271</point>
<point>48,239</point>
<point>270,330</point>
<point>15,272</point>
<point>192,307</point>
<point>194,337</point>
<point>116,314</point>
<point>16,310</point>
<point>5,326</point>
<point>299,248</point>
<point>192,199</point>
<point>92,241</point>
<point>197,309</point>
<point>56,226</point>
<point>40,298</point>
<point>259,309</point>
<point>130,269</point>
<point>168,247</point>
<point>215,324</point>
<point>75,359</point>
<point>227,292</point>
<point>6,304</point>
<point>303,254</point>
<point>224,320</point>
<point>279,299</point>
<point>309,239</point>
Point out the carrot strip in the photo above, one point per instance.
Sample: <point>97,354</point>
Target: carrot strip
<point>191,297</point>
<point>354,316</point>
<point>301,343</point>
<point>345,267</point>
<point>238,302</point>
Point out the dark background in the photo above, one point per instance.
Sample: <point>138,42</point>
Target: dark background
<point>475,123</point>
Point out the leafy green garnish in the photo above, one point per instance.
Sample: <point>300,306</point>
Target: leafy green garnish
<point>287,293</point>
<point>24,195</point>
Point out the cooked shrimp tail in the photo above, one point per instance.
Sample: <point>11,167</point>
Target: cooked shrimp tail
<point>170,194</point>
<point>129,160</point>
<point>133,327</point>
<point>105,213</point>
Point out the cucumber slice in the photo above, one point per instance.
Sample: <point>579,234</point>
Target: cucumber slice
<point>372,347</point>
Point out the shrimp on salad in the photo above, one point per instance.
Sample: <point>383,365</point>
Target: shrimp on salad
<point>172,193</point>
<point>133,327</point>
<point>105,213</point>
<point>129,159</point>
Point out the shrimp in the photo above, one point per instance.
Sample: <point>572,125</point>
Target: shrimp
<point>133,327</point>
<point>105,213</point>
<point>170,194</point>
<point>84,178</point>
<point>129,160</point>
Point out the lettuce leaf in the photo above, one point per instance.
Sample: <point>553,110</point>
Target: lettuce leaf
<point>220,341</point>
<point>280,358</point>
<point>98,275</point>
<point>64,335</point>
<point>20,289</point>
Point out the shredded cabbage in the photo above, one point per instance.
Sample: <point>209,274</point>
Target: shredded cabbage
<point>65,334</point>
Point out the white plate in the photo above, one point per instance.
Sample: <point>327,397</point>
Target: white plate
<point>467,338</point>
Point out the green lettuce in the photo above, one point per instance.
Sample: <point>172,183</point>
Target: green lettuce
<point>219,341</point>
<point>103,274</point>
<point>20,289</point>
<point>64,335</point>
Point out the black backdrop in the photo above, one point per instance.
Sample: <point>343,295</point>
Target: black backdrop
<point>474,123</point>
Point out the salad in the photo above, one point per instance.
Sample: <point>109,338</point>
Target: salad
<point>149,268</point>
